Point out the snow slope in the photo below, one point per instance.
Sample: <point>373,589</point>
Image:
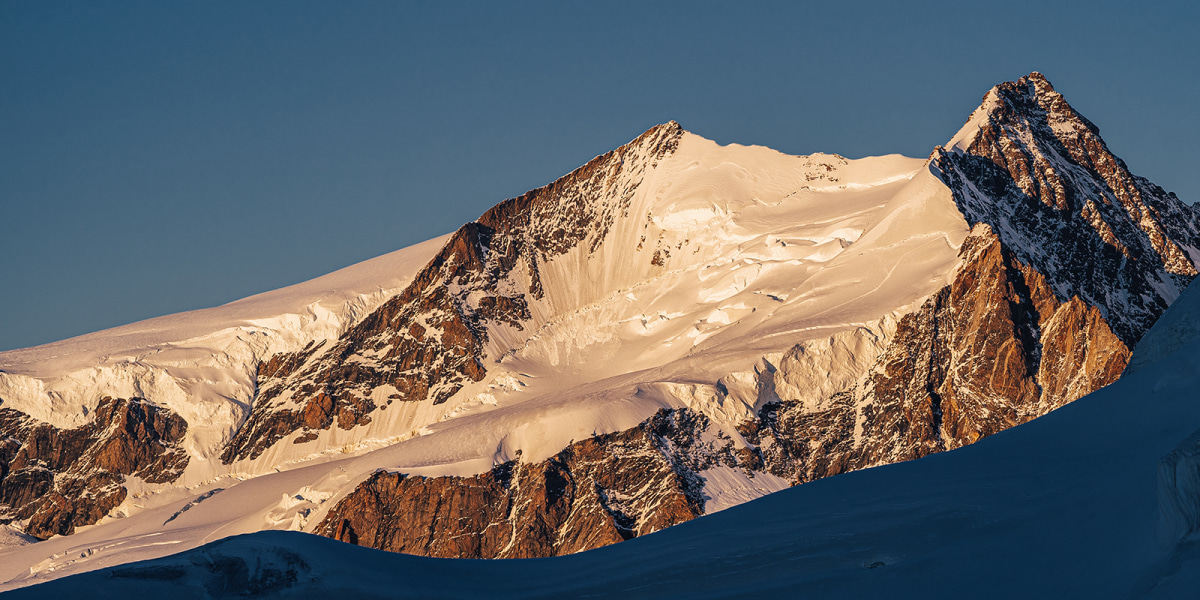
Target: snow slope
<point>1174,330</point>
<point>1063,506</point>
<point>766,251</point>
<point>723,255</point>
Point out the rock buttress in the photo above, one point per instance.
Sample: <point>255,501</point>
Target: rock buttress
<point>60,479</point>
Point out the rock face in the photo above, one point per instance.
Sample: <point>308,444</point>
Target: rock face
<point>1039,174</point>
<point>980,356</point>
<point>1070,260</point>
<point>60,479</point>
<point>428,342</point>
<point>595,492</point>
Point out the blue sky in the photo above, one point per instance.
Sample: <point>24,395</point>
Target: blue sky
<point>161,157</point>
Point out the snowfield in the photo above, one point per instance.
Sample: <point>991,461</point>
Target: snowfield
<point>1067,505</point>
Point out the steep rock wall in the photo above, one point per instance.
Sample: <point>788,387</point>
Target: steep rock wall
<point>60,479</point>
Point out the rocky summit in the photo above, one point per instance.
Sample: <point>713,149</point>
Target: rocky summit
<point>672,329</point>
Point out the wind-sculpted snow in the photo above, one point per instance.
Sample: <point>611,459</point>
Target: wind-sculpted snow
<point>1179,491</point>
<point>1170,333</point>
<point>670,330</point>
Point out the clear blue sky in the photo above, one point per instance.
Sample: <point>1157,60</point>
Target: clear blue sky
<point>159,157</point>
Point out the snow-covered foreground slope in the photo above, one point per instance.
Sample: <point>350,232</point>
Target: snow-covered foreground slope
<point>1064,506</point>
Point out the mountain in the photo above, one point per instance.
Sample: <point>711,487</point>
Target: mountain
<point>673,329</point>
<point>1079,503</point>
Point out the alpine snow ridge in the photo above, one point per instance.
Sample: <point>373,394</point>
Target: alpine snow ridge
<point>672,329</point>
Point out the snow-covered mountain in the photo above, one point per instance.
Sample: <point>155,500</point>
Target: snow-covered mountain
<point>1079,503</point>
<point>673,329</point>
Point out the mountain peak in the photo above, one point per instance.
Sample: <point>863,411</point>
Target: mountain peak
<point>1033,96</point>
<point>1031,104</point>
<point>1035,82</point>
<point>1036,165</point>
<point>670,129</point>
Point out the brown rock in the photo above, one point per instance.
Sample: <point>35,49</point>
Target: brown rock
<point>1080,354</point>
<point>992,350</point>
<point>60,479</point>
<point>593,493</point>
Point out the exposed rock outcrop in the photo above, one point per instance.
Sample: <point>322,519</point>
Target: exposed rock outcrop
<point>60,479</point>
<point>595,492</point>
<point>985,353</point>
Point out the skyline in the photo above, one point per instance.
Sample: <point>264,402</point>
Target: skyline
<point>164,159</point>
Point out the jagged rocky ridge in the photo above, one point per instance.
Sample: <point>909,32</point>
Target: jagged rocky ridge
<point>1038,172</point>
<point>1069,260</point>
